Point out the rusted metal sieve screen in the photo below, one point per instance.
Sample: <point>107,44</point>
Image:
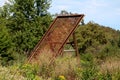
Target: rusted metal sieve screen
<point>57,35</point>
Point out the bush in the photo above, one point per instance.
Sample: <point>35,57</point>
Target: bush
<point>89,68</point>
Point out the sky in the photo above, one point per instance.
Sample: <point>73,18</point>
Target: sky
<point>103,12</point>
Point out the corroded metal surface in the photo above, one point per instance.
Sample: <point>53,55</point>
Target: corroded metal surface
<point>56,36</point>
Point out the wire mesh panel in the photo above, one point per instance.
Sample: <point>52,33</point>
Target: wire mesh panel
<point>56,36</point>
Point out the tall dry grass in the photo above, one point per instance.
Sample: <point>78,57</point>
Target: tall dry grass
<point>112,64</point>
<point>61,65</point>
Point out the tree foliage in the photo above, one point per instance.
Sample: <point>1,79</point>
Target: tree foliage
<point>22,24</point>
<point>92,37</point>
<point>6,45</point>
<point>27,22</point>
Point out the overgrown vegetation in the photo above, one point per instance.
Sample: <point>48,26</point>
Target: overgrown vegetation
<point>94,38</point>
<point>23,23</point>
<point>65,67</point>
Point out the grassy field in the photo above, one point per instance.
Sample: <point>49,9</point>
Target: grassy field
<point>66,67</point>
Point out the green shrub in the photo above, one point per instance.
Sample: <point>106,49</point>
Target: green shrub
<point>29,71</point>
<point>89,69</point>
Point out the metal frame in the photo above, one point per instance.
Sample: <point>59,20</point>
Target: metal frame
<point>76,18</point>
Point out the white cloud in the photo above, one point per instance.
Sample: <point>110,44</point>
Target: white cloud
<point>86,6</point>
<point>97,3</point>
<point>2,2</point>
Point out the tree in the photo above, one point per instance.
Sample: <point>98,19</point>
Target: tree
<point>41,7</point>
<point>27,23</point>
<point>90,36</point>
<point>6,45</point>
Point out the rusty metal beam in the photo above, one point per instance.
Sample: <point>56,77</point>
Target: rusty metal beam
<point>75,44</point>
